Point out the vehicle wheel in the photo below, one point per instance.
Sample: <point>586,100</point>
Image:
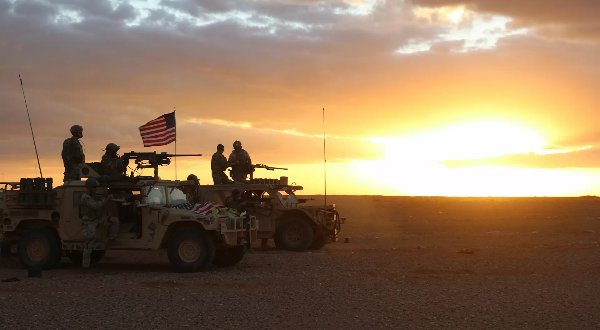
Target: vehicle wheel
<point>319,242</point>
<point>77,256</point>
<point>228,257</point>
<point>295,235</point>
<point>39,247</point>
<point>191,250</point>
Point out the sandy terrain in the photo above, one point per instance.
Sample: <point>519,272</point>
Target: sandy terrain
<point>531,263</point>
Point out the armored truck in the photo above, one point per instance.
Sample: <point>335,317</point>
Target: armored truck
<point>280,214</point>
<point>45,224</point>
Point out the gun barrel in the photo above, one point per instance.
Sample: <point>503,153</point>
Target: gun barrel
<point>134,154</point>
<point>196,155</point>
<point>270,168</point>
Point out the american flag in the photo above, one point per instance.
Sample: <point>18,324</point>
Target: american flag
<point>160,131</point>
<point>203,209</point>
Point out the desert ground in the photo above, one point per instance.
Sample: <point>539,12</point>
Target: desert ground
<point>412,263</point>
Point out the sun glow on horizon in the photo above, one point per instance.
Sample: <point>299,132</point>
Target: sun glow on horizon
<point>413,168</point>
<point>464,141</point>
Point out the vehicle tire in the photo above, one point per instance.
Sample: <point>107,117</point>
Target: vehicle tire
<point>295,235</point>
<point>77,256</point>
<point>228,257</point>
<point>319,242</point>
<point>39,247</point>
<point>191,250</point>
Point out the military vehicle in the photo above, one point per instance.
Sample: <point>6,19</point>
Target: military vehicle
<point>45,222</point>
<point>279,212</point>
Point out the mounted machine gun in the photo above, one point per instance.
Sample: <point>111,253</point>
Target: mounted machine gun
<point>248,169</point>
<point>152,159</point>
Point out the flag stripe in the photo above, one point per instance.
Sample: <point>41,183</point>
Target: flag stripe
<point>159,133</point>
<point>155,120</point>
<point>153,127</point>
<point>155,144</point>
<point>161,137</point>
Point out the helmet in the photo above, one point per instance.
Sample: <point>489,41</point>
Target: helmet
<point>237,143</point>
<point>112,147</point>
<point>220,147</point>
<point>235,193</point>
<point>91,183</point>
<point>192,177</point>
<point>76,128</point>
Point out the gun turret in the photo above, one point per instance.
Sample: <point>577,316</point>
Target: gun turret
<point>152,159</point>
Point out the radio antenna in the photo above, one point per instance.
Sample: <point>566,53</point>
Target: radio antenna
<point>175,146</point>
<point>31,127</point>
<point>324,164</point>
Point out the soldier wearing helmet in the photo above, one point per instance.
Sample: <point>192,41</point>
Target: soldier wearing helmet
<point>191,191</point>
<point>241,164</point>
<point>93,213</point>
<point>72,154</point>
<point>112,165</point>
<point>218,165</point>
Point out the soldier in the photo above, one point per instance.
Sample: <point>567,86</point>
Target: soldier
<point>236,202</point>
<point>241,162</point>
<point>72,154</point>
<point>93,213</point>
<point>191,192</point>
<point>113,165</point>
<point>218,165</point>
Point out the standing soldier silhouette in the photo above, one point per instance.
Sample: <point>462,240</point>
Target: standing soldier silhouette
<point>241,162</point>
<point>218,165</point>
<point>72,154</point>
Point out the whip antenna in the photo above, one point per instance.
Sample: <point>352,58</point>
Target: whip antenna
<point>324,164</point>
<point>175,146</point>
<point>31,127</point>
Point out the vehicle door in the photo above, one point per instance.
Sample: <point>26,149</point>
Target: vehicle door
<point>152,228</point>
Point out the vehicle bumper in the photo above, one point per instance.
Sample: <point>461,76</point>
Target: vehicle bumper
<point>330,224</point>
<point>239,231</point>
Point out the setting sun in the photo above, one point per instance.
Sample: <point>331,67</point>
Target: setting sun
<point>463,141</point>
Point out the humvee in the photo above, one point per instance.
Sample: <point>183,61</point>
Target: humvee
<point>45,223</point>
<point>279,212</point>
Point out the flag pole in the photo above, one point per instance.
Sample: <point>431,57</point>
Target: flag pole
<point>175,143</point>
<point>324,165</point>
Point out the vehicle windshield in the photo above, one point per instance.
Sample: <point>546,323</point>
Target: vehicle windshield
<point>158,196</point>
<point>176,196</point>
<point>287,198</point>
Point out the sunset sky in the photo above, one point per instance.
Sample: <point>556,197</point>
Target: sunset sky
<point>421,97</point>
